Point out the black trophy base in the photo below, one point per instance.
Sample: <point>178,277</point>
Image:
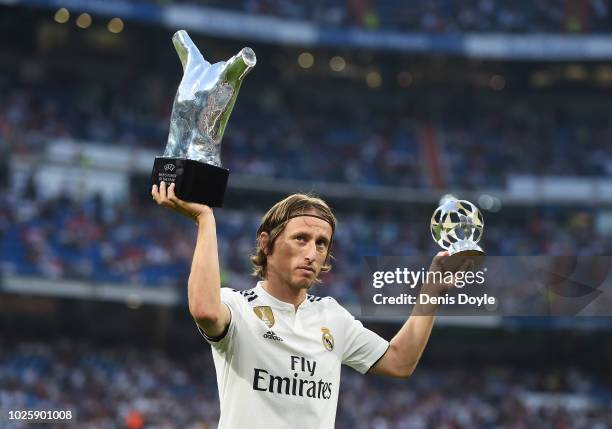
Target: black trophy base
<point>196,181</point>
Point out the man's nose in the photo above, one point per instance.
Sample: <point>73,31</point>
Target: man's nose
<point>311,252</point>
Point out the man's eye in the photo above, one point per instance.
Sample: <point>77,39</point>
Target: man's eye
<point>322,246</point>
<point>300,238</point>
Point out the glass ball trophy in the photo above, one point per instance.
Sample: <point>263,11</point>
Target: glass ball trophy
<point>202,106</point>
<point>457,226</point>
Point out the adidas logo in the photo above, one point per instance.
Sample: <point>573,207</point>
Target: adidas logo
<point>272,336</point>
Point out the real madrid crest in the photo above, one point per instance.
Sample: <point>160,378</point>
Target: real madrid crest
<point>264,312</point>
<point>328,339</point>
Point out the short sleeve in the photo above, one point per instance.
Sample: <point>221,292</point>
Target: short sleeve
<point>233,301</point>
<point>363,348</point>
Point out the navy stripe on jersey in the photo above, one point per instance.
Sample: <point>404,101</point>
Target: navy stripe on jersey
<point>249,294</point>
<point>217,338</point>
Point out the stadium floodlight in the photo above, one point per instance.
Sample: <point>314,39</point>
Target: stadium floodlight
<point>84,20</point>
<point>62,15</point>
<point>115,25</point>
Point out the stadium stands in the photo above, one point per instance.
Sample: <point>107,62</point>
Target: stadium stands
<point>435,16</point>
<point>478,149</point>
<point>62,238</point>
<point>473,122</point>
<point>141,387</point>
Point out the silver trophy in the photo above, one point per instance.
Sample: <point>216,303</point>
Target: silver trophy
<point>201,109</point>
<point>457,226</point>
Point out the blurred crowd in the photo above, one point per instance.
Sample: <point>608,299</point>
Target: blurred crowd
<point>277,134</point>
<point>140,243</point>
<point>477,148</point>
<point>283,129</point>
<point>144,244</point>
<point>147,388</point>
<point>436,16</point>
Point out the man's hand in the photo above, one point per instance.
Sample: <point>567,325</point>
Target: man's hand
<point>440,263</point>
<point>170,200</point>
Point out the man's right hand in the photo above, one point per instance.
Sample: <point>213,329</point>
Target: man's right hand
<point>167,198</point>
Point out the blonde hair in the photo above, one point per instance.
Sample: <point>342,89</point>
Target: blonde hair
<point>276,219</point>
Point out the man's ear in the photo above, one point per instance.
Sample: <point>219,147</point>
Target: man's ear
<point>264,239</point>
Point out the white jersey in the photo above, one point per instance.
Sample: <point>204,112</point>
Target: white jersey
<point>280,368</point>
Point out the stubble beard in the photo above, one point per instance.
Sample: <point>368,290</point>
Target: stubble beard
<point>303,284</point>
<point>297,285</point>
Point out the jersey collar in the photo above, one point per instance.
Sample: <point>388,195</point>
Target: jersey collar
<point>275,302</point>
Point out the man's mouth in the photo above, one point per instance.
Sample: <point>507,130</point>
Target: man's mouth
<point>307,269</point>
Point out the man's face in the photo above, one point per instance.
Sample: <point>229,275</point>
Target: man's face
<point>300,251</point>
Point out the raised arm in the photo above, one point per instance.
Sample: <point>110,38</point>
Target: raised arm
<point>204,286</point>
<point>407,346</point>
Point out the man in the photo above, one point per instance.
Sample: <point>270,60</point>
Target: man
<point>277,350</point>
